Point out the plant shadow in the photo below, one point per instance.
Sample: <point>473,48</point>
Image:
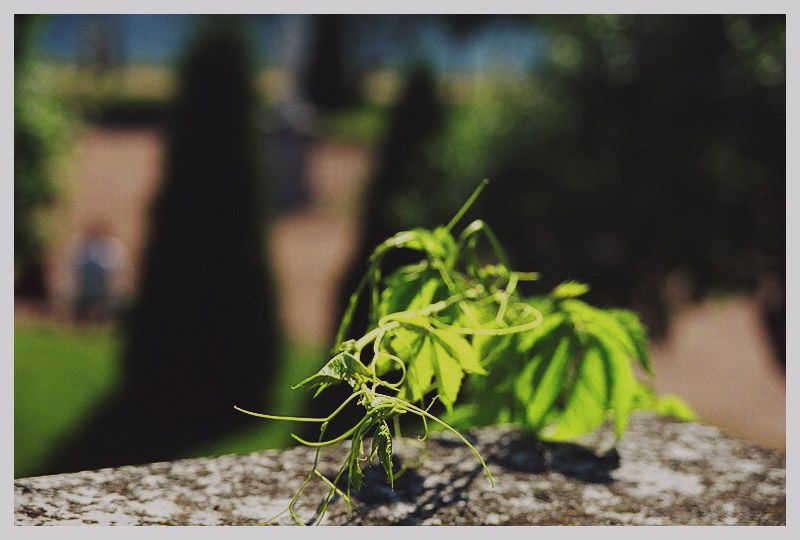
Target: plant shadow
<point>447,487</point>
<point>427,497</point>
<point>524,454</point>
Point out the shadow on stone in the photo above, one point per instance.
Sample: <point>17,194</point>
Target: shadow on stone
<point>570,459</point>
<point>375,490</point>
<point>450,486</point>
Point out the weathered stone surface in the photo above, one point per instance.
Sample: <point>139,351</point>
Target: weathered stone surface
<point>662,473</point>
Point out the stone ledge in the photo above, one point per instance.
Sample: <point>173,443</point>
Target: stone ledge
<point>665,473</point>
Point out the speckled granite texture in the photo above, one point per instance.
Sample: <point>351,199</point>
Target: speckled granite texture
<point>662,473</point>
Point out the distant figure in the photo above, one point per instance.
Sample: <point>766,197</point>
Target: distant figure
<point>292,131</point>
<point>98,260</point>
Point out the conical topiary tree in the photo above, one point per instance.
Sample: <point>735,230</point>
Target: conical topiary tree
<point>403,172</point>
<point>203,334</point>
<point>329,80</point>
<point>402,177</point>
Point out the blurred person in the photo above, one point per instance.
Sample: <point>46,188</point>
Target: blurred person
<point>292,131</point>
<point>98,262</point>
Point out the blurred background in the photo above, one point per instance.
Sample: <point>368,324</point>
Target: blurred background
<point>194,197</point>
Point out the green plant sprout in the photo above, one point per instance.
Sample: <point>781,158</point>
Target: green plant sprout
<point>553,365</point>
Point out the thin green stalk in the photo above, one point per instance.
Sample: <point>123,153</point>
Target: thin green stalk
<point>491,331</point>
<point>274,417</point>
<point>467,204</point>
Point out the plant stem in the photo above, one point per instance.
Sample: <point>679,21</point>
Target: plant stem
<point>467,204</point>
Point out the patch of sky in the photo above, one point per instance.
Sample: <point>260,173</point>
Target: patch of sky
<point>372,41</point>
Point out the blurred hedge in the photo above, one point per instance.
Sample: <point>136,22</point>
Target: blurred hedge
<point>41,133</point>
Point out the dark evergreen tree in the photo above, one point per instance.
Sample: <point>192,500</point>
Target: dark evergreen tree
<point>394,197</point>
<point>396,193</point>
<point>203,335</point>
<point>330,81</point>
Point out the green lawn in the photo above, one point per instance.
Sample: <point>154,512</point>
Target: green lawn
<point>60,374</point>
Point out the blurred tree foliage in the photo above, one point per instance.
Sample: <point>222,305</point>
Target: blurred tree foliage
<point>203,335</point>
<point>41,132</point>
<point>657,145</point>
<point>651,150</point>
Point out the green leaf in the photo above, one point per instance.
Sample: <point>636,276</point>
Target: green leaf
<point>614,325</point>
<point>354,474</point>
<point>587,399</point>
<point>425,240</point>
<point>674,407</point>
<point>446,244</point>
<point>665,404</point>
<point>644,397</point>
<point>459,349</point>
<point>463,416</point>
<point>569,289</point>
<point>638,333</point>
<point>408,345</point>
<point>542,380</point>
<point>419,373</point>
<point>408,288</point>
<point>382,446</point>
<point>550,324</point>
<point>456,315</point>
<point>623,385</point>
<point>404,342</point>
<point>495,349</point>
<point>433,354</point>
<point>448,376</point>
<point>344,367</point>
<point>433,360</point>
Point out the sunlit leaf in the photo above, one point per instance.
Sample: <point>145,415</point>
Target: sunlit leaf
<point>541,381</point>
<point>419,367</point>
<point>674,407</point>
<point>448,374</point>
<point>587,399</point>
<point>622,382</point>
<point>460,350</point>
<point>408,289</point>
<point>569,289</point>
<point>382,447</point>
<point>454,323</point>
<point>638,333</point>
<point>344,367</point>
<point>550,324</point>
<point>354,474</point>
<point>491,349</point>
